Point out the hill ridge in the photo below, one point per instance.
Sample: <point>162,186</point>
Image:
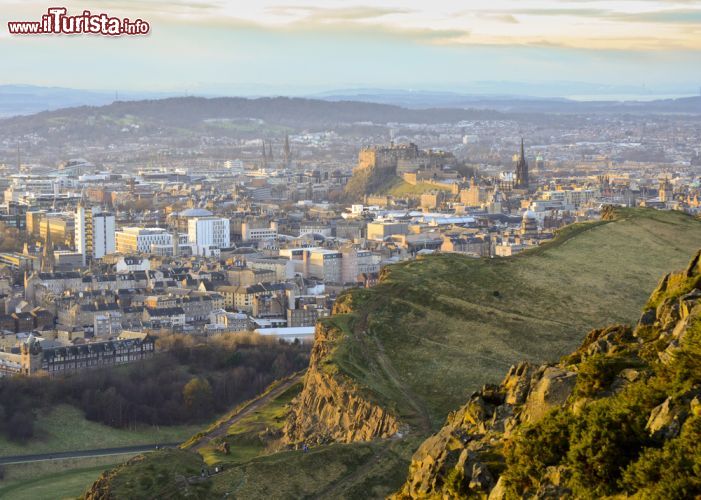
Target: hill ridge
<point>636,389</point>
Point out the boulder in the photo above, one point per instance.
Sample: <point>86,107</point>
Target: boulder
<point>551,390</point>
<point>666,420</point>
<point>517,383</point>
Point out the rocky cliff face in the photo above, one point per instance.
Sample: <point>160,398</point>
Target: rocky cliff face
<point>330,407</point>
<point>369,180</point>
<point>642,382</point>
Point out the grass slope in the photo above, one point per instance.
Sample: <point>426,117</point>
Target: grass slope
<point>400,188</point>
<point>447,324</point>
<point>51,486</point>
<point>435,330</point>
<point>246,437</point>
<point>64,428</point>
<point>358,470</point>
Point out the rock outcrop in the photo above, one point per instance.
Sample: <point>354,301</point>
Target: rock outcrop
<point>466,458</point>
<point>330,407</point>
<point>455,457</point>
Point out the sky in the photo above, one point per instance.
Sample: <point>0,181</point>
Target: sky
<point>297,46</point>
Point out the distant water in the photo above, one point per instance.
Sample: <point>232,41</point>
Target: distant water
<point>626,97</point>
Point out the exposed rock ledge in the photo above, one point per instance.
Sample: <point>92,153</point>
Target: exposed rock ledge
<point>330,407</point>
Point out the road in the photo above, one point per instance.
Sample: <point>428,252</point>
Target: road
<point>101,452</point>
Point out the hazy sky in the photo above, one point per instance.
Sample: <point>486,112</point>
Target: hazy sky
<point>258,45</point>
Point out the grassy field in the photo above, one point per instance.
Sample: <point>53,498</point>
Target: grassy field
<point>160,474</point>
<point>448,324</point>
<point>355,471</point>
<point>64,428</point>
<point>55,479</point>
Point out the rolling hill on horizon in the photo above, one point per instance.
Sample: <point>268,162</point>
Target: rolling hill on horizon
<point>24,100</point>
<point>223,115</point>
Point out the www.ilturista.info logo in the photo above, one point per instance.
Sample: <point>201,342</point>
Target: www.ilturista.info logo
<point>57,21</point>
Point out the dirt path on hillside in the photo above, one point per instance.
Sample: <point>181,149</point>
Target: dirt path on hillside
<point>248,408</point>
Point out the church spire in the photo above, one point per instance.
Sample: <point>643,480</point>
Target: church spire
<point>522,169</point>
<point>523,153</point>
<point>48,259</point>
<point>286,149</point>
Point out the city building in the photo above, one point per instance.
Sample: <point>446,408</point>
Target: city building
<point>208,234</point>
<point>382,229</point>
<point>94,233</point>
<point>140,239</point>
<point>63,357</point>
<point>253,232</point>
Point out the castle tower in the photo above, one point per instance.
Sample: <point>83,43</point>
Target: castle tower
<point>522,170</point>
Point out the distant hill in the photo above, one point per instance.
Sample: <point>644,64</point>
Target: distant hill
<point>184,111</point>
<point>393,360</point>
<point>520,104</point>
<point>176,116</point>
<point>29,99</point>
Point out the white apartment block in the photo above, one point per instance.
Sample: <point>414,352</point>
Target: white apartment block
<point>94,233</point>
<point>208,233</point>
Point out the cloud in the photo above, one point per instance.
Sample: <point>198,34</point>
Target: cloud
<point>669,16</point>
<point>678,16</point>
<point>498,16</point>
<point>340,14</point>
<point>154,6</point>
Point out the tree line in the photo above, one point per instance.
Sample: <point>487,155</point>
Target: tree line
<point>187,382</point>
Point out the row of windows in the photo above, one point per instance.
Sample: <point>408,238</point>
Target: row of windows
<point>63,366</point>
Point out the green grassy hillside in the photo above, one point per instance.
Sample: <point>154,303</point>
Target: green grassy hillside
<point>65,428</point>
<point>434,330</point>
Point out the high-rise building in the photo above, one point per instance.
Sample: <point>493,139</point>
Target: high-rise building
<point>94,233</point>
<point>521,170</point>
<point>208,233</point>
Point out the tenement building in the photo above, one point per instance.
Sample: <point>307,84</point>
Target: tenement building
<point>58,356</point>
